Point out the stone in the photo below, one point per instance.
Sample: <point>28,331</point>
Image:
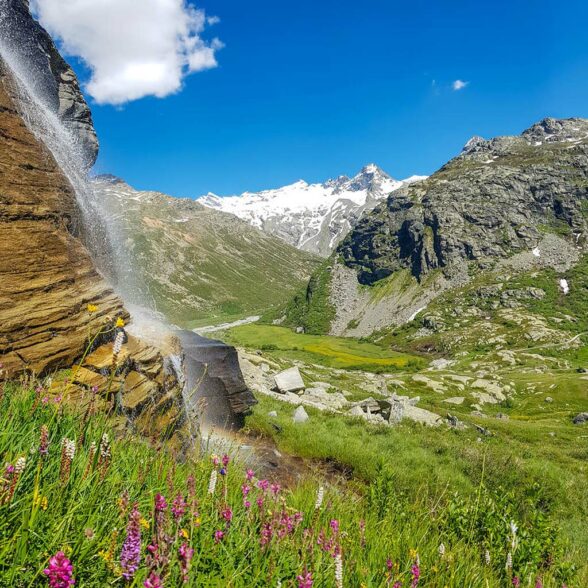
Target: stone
<point>548,399</point>
<point>502,416</point>
<point>580,418</point>
<point>356,411</point>
<point>420,415</point>
<point>300,415</point>
<point>455,400</point>
<point>272,414</point>
<point>289,380</point>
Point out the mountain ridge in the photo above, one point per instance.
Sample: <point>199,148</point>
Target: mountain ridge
<point>312,217</point>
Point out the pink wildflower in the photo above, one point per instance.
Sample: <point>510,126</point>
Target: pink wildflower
<point>335,526</point>
<point>59,572</point>
<point>516,581</point>
<point>305,580</point>
<point>178,507</point>
<point>226,460</point>
<point>227,514</point>
<point>160,503</point>
<point>263,485</point>
<point>416,574</point>
<point>153,581</point>
<point>185,554</point>
<point>130,556</point>
<point>249,474</point>
<point>218,536</point>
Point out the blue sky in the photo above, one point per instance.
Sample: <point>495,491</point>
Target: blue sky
<point>314,89</point>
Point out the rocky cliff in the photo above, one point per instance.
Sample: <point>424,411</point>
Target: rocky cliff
<point>52,77</point>
<point>46,275</point>
<point>506,205</point>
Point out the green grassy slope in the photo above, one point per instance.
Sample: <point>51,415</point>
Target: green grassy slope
<point>201,265</point>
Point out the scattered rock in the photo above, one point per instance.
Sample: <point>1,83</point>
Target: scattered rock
<point>289,380</point>
<point>580,418</point>
<point>300,415</point>
<point>455,400</point>
<point>272,414</point>
<point>548,399</point>
<point>502,416</point>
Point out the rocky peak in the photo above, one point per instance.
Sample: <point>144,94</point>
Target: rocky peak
<point>492,201</point>
<point>370,177</point>
<point>553,130</point>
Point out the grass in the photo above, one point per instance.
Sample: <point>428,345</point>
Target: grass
<point>515,459</point>
<point>335,352</point>
<point>257,536</point>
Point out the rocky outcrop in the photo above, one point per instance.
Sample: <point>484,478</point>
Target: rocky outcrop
<point>215,390</point>
<point>47,278</point>
<point>496,199</point>
<point>54,81</point>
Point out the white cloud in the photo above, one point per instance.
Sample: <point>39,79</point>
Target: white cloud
<point>459,85</point>
<point>134,48</point>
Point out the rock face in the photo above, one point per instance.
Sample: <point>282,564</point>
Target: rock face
<point>46,275</point>
<point>509,205</point>
<point>215,388</point>
<point>493,200</point>
<point>53,78</point>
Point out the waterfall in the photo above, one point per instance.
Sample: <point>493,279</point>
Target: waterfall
<point>100,232</point>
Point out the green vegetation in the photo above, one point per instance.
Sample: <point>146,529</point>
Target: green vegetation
<point>335,352</point>
<point>311,308</point>
<point>114,507</point>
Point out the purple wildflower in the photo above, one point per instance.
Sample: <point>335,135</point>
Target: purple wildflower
<point>227,514</point>
<point>305,580</point>
<point>335,526</point>
<point>178,508</point>
<point>131,550</point>
<point>249,474</point>
<point>226,460</point>
<point>59,572</point>
<point>516,581</point>
<point>160,503</point>
<point>218,536</point>
<point>416,574</point>
<point>185,554</point>
<point>44,441</point>
<point>153,581</point>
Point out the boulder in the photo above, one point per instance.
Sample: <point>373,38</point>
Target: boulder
<point>580,418</point>
<point>300,415</point>
<point>289,380</point>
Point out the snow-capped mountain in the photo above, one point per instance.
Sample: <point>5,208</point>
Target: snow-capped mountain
<point>312,217</point>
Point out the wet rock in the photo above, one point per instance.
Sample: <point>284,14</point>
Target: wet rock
<point>289,380</point>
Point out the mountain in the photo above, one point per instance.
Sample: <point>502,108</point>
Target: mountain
<point>311,217</point>
<point>503,225</point>
<point>199,263</point>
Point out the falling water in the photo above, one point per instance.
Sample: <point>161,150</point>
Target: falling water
<point>101,234</point>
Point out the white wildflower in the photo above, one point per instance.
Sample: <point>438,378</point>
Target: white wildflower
<point>509,561</point>
<point>338,571</point>
<point>69,448</point>
<point>442,550</point>
<point>212,482</point>
<point>320,495</point>
<point>118,343</point>
<point>487,557</point>
<point>19,466</point>
<point>105,446</point>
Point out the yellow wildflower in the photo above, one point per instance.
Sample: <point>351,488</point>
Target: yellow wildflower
<point>41,502</point>
<point>67,550</point>
<point>413,553</point>
<point>144,523</point>
<point>92,308</point>
<point>197,521</point>
<point>184,533</point>
<point>120,322</point>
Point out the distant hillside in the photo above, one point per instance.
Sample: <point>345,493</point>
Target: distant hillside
<point>312,217</point>
<point>198,263</point>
